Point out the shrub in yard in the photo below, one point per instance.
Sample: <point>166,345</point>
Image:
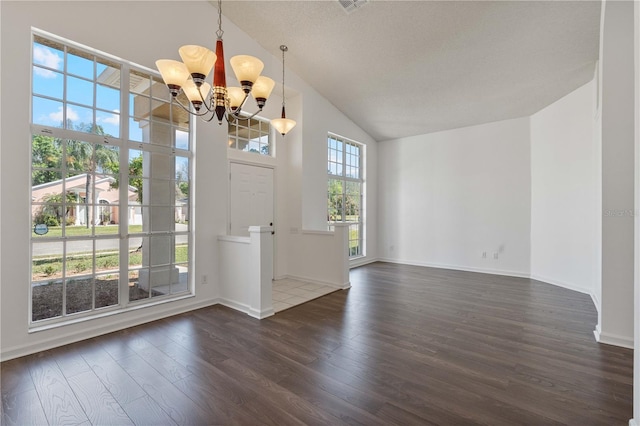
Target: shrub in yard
<point>49,270</point>
<point>108,262</point>
<point>46,218</point>
<point>52,221</point>
<point>81,266</point>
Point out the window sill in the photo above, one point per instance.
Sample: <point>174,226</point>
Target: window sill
<point>112,312</point>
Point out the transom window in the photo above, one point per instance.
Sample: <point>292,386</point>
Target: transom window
<point>345,189</point>
<point>110,197</point>
<point>250,135</point>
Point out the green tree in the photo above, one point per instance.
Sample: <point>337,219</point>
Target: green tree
<point>56,206</point>
<point>85,157</point>
<point>184,188</point>
<point>135,176</point>
<point>182,178</point>
<point>46,153</point>
<point>335,200</point>
<point>352,201</point>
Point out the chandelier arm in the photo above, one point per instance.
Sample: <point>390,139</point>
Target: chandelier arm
<point>207,120</point>
<point>197,114</point>
<point>237,111</point>
<point>254,114</point>
<point>244,101</point>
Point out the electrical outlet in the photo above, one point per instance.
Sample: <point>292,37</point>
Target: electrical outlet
<point>495,255</point>
<point>205,279</point>
<point>484,254</point>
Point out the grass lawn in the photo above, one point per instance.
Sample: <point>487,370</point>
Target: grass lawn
<point>49,267</point>
<point>76,231</point>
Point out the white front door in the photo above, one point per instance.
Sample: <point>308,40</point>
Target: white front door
<point>250,198</point>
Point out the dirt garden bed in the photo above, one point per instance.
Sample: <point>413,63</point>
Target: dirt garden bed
<point>47,298</point>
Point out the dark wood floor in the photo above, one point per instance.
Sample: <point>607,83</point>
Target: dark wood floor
<point>405,345</point>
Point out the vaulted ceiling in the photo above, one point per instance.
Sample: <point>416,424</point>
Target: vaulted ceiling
<point>402,68</point>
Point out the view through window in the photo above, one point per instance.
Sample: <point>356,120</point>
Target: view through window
<point>111,173</point>
<point>250,135</point>
<point>345,189</point>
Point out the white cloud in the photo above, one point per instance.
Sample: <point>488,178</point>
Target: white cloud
<point>112,119</point>
<point>46,57</point>
<point>57,116</point>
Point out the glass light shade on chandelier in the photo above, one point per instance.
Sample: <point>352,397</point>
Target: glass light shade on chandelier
<point>219,101</point>
<point>283,124</point>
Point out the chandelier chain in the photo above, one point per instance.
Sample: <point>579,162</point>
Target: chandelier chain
<point>219,33</point>
<point>284,49</point>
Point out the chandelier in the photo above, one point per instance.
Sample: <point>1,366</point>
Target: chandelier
<point>219,101</point>
<point>283,124</point>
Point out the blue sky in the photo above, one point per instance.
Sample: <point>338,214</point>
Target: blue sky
<point>80,91</point>
<point>48,89</point>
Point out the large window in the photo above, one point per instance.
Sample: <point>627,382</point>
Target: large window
<point>345,189</point>
<point>110,198</point>
<point>250,135</point>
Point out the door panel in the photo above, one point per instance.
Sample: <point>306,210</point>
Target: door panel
<point>250,198</point>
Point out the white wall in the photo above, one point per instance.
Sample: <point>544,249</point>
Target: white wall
<point>234,262</point>
<point>445,198</point>
<point>326,118</point>
<point>147,35</point>
<point>636,352</point>
<point>321,257</point>
<point>564,215</point>
<point>616,316</point>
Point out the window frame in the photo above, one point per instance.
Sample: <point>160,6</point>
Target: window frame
<point>344,178</point>
<point>269,133</point>
<point>124,146</point>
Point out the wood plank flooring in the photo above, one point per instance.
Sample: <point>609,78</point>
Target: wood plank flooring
<point>405,345</point>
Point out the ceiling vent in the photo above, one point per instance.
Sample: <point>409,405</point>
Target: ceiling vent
<point>351,5</point>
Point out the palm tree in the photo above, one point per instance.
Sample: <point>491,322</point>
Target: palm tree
<point>55,203</point>
<point>85,157</point>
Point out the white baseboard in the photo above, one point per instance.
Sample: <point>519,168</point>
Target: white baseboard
<point>633,422</point>
<point>596,333</point>
<point>563,284</point>
<point>244,308</point>
<point>596,301</point>
<point>612,339</point>
<point>265,313</point>
<point>120,322</point>
<point>344,286</point>
<point>362,261</point>
<point>508,273</point>
<point>229,303</point>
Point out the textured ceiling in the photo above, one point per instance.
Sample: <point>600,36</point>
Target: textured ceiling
<point>402,68</point>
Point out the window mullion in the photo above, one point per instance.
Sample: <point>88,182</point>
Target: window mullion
<point>123,177</point>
